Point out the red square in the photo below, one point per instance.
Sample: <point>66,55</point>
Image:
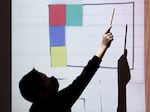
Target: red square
<point>57,14</point>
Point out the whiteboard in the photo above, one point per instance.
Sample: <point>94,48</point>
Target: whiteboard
<point>31,48</point>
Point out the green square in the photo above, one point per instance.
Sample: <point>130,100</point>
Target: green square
<point>74,15</point>
<point>58,56</point>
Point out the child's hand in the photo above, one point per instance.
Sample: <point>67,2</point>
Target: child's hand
<point>107,38</point>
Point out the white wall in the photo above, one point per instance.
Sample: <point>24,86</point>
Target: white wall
<point>30,48</point>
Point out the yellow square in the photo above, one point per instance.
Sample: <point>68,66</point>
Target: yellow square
<point>58,56</point>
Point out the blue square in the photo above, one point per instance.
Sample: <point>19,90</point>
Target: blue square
<point>57,35</point>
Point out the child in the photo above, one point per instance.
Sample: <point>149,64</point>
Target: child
<point>43,92</point>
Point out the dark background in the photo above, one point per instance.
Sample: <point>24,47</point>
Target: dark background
<point>5,55</point>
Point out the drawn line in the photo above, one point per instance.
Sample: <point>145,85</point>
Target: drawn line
<point>108,3</point>
<point>133,47</point>
<point>76,66</point>
<point>132,68</point>
<point>133,37</point>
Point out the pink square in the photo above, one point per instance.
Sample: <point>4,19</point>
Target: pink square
<point>57,14</point>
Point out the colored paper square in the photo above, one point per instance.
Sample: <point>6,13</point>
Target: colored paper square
<point>74,15</point>
<point>57,14</point>
<point>58,56</point>
<point>57,36</point>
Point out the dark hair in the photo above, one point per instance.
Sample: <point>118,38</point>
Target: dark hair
<point>30,85</point>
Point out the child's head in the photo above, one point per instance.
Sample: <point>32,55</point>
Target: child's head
<point>35,86</point>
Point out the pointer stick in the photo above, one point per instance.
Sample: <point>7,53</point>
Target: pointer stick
<point>111,19</point>
<point>112,16</point>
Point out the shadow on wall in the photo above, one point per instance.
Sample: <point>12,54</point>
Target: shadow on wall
<point>123,79</point>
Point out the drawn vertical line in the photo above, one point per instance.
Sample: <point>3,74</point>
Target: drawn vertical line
<point>84,104</point>
<point>101,104</point>
<point>133,35</point>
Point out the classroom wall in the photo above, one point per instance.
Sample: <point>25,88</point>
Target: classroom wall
<point>30,48</point>
<point>5,81</point>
